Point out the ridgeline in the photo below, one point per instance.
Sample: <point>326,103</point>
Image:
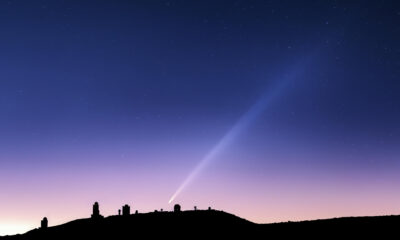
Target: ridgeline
<point>210,224</point>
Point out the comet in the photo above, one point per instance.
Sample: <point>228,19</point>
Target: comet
<point>244,122</point>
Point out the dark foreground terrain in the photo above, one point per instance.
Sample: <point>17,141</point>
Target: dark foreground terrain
<point>213,224</point>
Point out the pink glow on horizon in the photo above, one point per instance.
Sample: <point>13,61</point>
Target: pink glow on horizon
<point>299,202</point>
<point>259,199</point>
<point>280,190</point>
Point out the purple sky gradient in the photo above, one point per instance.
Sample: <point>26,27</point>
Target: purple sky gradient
<point>118,102</point>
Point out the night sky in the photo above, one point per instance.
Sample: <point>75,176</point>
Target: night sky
<point>297,102</point>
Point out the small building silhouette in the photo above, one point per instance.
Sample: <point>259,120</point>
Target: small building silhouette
<point>126,210</point>
<point>177,208</point>
<point>44,223</point>
<point>136,212</point>
<point>119,212</point>
<point>96,211</point>
<point>209,208</point>
<point>195,208</point>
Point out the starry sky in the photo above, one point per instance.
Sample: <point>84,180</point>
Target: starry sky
<point>120,101</point>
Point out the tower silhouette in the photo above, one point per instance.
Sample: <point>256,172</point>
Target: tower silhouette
<point>44,223</point>
<point>126,210</point>
<point>96,211</point>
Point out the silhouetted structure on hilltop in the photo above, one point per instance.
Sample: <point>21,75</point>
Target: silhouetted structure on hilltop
<point>177,208</point>
<point>126,210</point>
<point>212,223</point>
<point>96,211</point>
<point>44,223</point>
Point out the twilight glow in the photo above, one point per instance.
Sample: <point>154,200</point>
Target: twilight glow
<point>270,110</point>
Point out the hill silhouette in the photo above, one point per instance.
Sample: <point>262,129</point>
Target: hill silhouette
<point>150,225</point>
<point>211,224</point>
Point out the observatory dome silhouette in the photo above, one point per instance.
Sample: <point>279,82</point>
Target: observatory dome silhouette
<point>177,208</point>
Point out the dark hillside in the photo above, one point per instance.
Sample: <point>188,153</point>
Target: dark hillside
<point>212,224</point>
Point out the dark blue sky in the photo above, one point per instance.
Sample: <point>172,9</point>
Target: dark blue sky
<point>164,79</point>
<point>70,65</point>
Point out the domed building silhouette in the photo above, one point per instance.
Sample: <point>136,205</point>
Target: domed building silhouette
<point>177,208</point>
